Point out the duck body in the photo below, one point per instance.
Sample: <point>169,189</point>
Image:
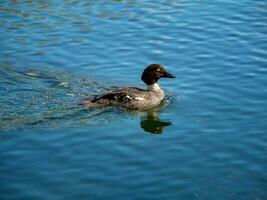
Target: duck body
<point>132,97</point>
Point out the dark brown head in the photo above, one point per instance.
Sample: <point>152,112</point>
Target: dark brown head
<point>153,73</point>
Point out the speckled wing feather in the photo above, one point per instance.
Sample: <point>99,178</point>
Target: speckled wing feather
<point>121,95</point>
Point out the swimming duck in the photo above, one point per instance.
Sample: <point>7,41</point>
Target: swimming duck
<point>132,97</point>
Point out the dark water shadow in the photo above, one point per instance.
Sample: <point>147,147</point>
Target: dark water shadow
<point>150,120</point>
<point>153,124</point>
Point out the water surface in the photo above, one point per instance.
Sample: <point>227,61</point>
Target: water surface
<point>207,141</point>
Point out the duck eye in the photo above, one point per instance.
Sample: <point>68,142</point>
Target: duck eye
<point>158,69</point>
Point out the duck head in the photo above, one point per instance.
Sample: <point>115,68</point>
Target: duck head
<point>153,73</point>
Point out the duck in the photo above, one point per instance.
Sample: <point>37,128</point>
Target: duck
<point>133,97</point>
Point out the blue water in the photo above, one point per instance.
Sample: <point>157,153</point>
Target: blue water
<point>207,141</point>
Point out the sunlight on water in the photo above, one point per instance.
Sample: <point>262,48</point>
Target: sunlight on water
<point>34,97</point>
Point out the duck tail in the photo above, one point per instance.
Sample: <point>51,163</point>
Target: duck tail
<point>89,103</point>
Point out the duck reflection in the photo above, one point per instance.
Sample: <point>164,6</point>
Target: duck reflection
<point>151,123</point>
<point>150,120</point>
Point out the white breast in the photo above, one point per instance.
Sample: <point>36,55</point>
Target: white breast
<point>157,92</point>
<point>155,87</point>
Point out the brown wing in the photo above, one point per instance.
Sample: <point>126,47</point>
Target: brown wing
<point>120,95</point>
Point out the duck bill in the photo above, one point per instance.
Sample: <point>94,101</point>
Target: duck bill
<point>168,75</point>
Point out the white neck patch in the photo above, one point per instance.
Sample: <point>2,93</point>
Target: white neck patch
<point>154,87</point>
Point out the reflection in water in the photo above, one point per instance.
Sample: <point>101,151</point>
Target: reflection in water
<point>150,119</point>
<point>151,123</point>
